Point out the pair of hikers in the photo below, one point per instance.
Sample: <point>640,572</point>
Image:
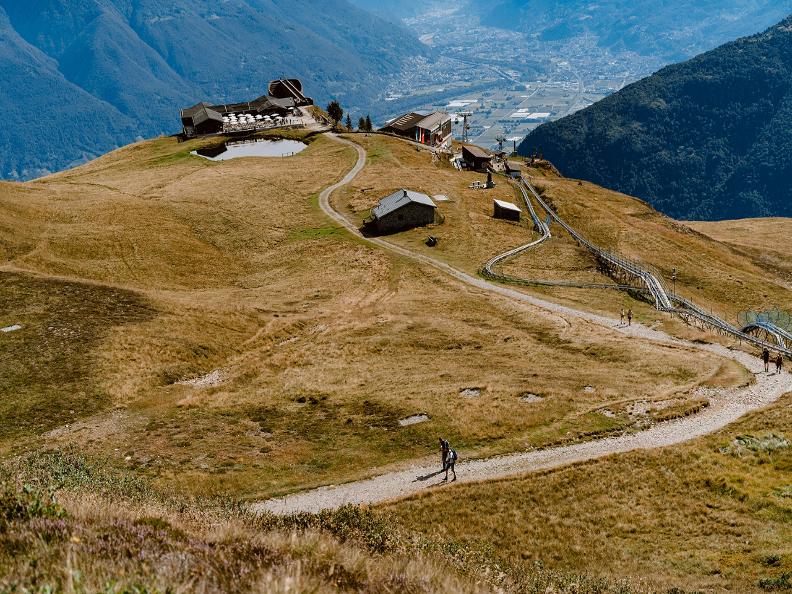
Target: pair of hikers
<point>448,457</point>
<point>779,361</point>
<point>629,317</point>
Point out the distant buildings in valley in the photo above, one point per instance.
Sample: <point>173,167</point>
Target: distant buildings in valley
<point>283,99</point>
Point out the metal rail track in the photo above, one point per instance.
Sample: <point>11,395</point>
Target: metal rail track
<point>488,270</point>
<point>781,336</point>
<point>652,281</point>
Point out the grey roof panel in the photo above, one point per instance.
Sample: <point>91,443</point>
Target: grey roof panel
<point>507,205</point>
<point>476,151</point>
<point>405,122</point>
<point>433,120</point>
<point>399,199</point>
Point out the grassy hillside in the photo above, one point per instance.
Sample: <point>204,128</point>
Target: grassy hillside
<point>68,525</point>
<point>712,273</point>
<point>199,328</point>
<point>768,241</point>
<point>712,516</point>
<point>705,139</point>
<point>240,338</point>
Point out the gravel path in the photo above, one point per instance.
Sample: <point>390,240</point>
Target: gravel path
<point>726,406</point>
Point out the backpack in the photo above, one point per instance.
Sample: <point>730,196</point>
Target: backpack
<point>452,456</point>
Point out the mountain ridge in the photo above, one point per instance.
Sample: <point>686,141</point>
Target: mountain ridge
<point>141,60</point>
<point>703,139</point>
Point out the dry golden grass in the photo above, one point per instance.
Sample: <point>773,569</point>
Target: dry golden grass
<point>766,241</point>
<point>79,527</point>
<point>321,342</point>
<point>711,516</point>
<point>89,543</point>
<point>711,273</point>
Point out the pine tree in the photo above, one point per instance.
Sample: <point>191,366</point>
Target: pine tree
<point>349,123</point>
<point>335,112</point>
<point>362,124</point>
<point>368,126</point>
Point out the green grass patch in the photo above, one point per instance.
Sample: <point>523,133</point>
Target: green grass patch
<point>48,368</point>
<point>379,154</point>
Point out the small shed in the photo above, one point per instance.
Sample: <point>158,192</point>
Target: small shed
<point>513,169</point>
<point>506,210</point>
<point>476,158</point>
<point>401,210</point>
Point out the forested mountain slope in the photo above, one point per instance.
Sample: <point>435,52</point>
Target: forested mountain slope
<point>705,139</point>
<point>125,67</point>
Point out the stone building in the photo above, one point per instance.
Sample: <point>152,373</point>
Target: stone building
<point>402,210</point>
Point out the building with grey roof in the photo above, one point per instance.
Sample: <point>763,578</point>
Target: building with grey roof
<point>513,169</point>
<point>204,119</point>
<point>476,158</point>
<point>432,130</point>
<point>402,210</point>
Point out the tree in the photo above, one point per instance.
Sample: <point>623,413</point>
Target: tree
<point>362,124</point>
<point>349,123</point>
<point>335,112</point>
<point>369,127</point>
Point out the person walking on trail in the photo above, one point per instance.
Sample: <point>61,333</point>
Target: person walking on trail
<point>766,359</point>
<point>444,449</point>
<point>629,317</point>
<point>450,461</point>
<point>779,363</point>
<point>621,322</point>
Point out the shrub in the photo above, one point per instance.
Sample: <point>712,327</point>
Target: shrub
<point>782,582</point>
<point>25,504</point>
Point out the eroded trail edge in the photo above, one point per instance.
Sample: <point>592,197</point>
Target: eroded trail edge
<point>726,406</point>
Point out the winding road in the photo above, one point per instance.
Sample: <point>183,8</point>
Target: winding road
<point>726,406</point>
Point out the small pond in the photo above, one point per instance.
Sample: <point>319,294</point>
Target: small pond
<point>255,148</point>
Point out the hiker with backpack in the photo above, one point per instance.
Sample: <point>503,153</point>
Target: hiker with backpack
<point>444,449</point>
<point>766,359</point>
<point>450,460</point>
<point>779,363</point>
<point>629,317</point>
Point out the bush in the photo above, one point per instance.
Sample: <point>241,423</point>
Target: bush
<point>782,582</point>
<point>21,505</point>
